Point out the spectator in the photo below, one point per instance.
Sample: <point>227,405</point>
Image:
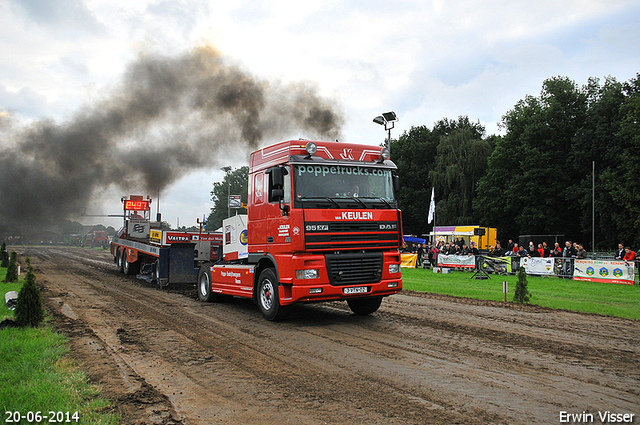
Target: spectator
<point>522,252</point>
<point>516,249</point>
<point>629,255</point>
<point>620,252</point>
<point>546,250</point>
<point>541,250</point>
<point>497,251</point>
<point>510,245</point>
<point>581,253</point>
<point>473,250</point>
<point>533,252</point>
<point>568,251</point>
<point>433,254</point>
<point>420,254</point>
<point>557,251</point>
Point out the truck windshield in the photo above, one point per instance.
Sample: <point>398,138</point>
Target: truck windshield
<point>341,186</point>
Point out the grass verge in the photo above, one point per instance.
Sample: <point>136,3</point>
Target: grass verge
<point>37,375</point>
<point>589,297</point>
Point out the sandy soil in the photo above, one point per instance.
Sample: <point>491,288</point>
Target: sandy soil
<point>163,357</point>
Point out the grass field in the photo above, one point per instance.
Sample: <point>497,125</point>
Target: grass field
<point>600,298</point>
<point>38,376</point>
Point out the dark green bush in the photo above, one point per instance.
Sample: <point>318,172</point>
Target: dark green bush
<point>29,311</point>
<point>522,294</point>
<point>12,268</point>
<point>4,255</point>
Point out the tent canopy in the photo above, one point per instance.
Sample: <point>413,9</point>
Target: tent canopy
<point>413,239</point>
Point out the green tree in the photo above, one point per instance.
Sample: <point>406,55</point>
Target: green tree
<point>416,153</point>
<point>12,268</point>
<point>29,311</point>
<point>460,162</point>
<point>522,294</point>
<point>621,180</point>
<point>539,178</point>
<point>4,255</point>
<point>68,227</point>
<point>238,181</point>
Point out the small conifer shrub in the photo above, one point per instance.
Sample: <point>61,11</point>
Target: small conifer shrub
<point>29,311</point>
<point>12,268</point>
<point>522,294</point>
<point>4,255</point>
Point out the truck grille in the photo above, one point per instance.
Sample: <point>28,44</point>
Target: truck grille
<point>354,269</point>
<point>351,235</point>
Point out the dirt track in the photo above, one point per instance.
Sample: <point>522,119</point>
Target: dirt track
<point>164,357</point>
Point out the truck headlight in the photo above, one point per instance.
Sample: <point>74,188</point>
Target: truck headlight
<point>307,274</point>
<point>394,268</point>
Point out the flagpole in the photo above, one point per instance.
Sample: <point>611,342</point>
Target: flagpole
<point>432,212</point>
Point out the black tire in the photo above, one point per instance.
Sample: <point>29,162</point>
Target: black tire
<point>204,285</point>
<point>129,268</point>
<point>365,306</point>
<point>156,271</point>
<point>269,296</point>
<point>120,260</point>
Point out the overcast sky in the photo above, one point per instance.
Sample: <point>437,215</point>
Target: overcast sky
<point>425,60</point>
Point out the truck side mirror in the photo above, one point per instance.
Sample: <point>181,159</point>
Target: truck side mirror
<point>277,177</point>
<point>396,184</point>
<point>276,184</point>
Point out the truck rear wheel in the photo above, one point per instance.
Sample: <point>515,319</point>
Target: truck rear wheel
<point>127,267</point>
<point>269,297</point>
<point>204,285</point>
<point>365,306</point>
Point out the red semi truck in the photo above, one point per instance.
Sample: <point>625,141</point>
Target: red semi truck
<point>322,225</point>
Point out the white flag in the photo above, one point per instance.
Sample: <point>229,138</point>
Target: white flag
<point>432,206</point>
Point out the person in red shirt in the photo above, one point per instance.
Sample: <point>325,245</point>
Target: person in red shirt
<point>629,255</point>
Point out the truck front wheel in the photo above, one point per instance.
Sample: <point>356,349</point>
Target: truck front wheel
<point>269,297</point>
<point>364,306</point>
<point>204,285</point>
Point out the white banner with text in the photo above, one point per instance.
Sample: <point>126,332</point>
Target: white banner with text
<point>538,265</point>
<point>463,261</point>
<point>605,271</point>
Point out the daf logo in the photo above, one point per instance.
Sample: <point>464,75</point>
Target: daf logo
<point>387,226</point>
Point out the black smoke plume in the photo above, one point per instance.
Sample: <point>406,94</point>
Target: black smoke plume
<point>167,117</point>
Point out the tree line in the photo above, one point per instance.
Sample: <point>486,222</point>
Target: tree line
<point>536,178</point>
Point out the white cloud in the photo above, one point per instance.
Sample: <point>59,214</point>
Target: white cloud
<point>424,59</point>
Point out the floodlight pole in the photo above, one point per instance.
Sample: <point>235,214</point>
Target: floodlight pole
<point>227,170</point>
<point>387,119</point>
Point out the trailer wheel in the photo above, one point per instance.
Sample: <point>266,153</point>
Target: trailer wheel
<point>268,296</point>
<point>127,267</point>
<point>365,306</point>
<point>204,285</point>
<point>156,271</point>
<point>120,253</point>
